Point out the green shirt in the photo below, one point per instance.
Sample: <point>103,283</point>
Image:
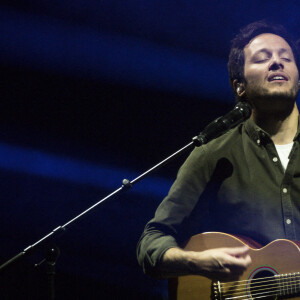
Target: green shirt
<point>234,184</point>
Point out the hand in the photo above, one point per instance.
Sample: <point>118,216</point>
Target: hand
<point>224,264</point>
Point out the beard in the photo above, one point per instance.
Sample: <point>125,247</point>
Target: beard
<point>272,101</point>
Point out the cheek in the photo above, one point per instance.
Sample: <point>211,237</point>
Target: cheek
<point>252,78</point>
<point>293,70</point>
<point>297,75</point>
<point>252,74</point>
<point>255,75</point>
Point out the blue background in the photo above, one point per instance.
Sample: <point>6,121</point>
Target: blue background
<point>93,92</point>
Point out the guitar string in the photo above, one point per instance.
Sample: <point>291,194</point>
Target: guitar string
<point>256,294</point>
<point>275,281</point>
<point>270,286</point>
<point>247,298</point>
<point>253,298</point>
<point>284,285</point>
<point>279,277</point>
<point>279,288</point>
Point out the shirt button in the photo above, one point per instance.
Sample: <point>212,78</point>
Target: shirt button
<point>258,141</point>
<point>284,190</point>
<point>288,221</point>
<point>275,159</point>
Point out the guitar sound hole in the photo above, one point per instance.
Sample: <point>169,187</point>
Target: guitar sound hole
<point>262,286</point>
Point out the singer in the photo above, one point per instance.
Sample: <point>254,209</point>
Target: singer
<point>247,180</point>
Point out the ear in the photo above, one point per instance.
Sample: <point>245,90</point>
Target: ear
<point>239,88</point>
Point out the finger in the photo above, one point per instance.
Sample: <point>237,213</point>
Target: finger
<point>238,262</point>
<point>237,251</point>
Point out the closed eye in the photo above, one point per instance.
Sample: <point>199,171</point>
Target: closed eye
<point>261,61</point>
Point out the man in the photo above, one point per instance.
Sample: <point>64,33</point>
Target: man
<point>246,181</point>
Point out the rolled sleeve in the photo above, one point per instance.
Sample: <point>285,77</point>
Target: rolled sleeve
<point>161,233</point>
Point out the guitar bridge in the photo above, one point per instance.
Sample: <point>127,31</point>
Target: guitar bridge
<point>216,290</point>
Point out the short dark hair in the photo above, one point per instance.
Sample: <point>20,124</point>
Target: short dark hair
<point>236,60</point>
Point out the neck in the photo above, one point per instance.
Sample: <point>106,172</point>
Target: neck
<point>281,126</point>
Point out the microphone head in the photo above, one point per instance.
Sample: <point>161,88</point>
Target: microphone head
<point>244,108</point>
<point>240,112</point>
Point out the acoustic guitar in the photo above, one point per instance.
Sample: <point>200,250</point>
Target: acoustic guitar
<point>273,273</point>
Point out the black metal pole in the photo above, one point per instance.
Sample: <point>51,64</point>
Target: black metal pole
<point>241,111</point>
<point>51,257</point>
<point>214,129</point>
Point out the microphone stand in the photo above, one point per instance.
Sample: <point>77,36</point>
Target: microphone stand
<point>240,112</point>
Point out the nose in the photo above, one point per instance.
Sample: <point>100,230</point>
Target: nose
<point>276,64</point>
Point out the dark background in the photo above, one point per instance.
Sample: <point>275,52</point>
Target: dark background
<point>93,92</point>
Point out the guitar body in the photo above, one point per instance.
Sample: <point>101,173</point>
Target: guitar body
<point>273,274</point>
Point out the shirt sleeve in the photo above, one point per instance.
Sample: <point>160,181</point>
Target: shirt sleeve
<point>162,232</point>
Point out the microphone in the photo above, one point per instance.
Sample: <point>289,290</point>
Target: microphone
<point>240,112</point>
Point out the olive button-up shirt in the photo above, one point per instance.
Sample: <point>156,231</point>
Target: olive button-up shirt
<point>234,184</point>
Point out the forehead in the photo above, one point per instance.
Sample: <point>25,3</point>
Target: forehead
<point>268,41</point>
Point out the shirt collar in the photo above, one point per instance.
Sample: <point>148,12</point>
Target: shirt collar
<point>297,136</point>
<point>256,133</point>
